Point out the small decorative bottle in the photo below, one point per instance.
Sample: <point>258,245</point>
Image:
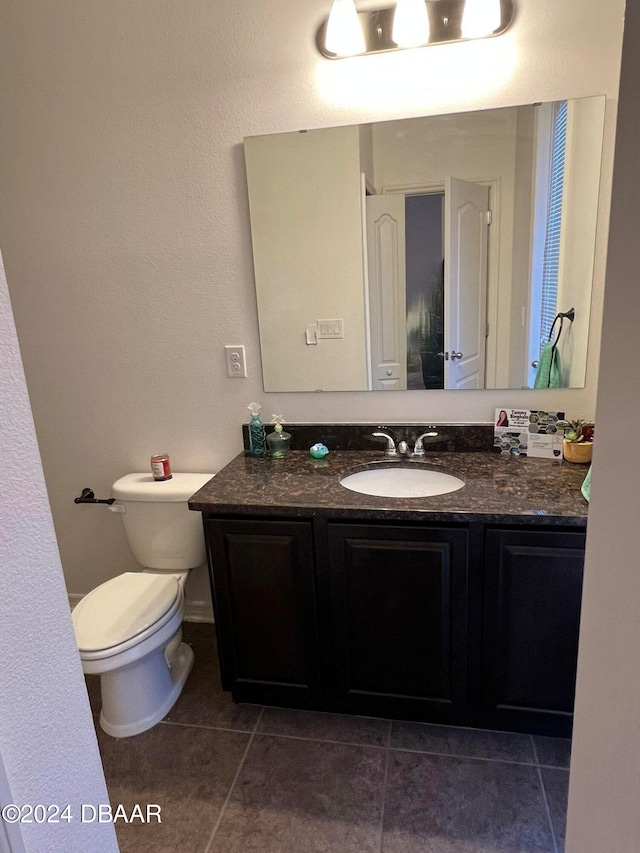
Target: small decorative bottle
<point>278,440</point>
<point>257,441</point>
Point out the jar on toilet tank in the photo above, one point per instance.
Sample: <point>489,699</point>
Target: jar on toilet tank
<point>161,466</point>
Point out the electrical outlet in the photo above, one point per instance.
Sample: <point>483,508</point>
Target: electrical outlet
<point>236,362</point>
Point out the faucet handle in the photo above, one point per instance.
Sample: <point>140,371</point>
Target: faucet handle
<point>391,445</point>
<point>418,449</point>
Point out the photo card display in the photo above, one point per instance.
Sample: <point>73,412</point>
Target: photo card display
<point>529,432</point>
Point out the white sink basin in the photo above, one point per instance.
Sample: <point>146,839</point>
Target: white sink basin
<point>399,482</point>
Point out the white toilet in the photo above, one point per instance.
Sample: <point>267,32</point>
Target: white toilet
<point>129,629</point>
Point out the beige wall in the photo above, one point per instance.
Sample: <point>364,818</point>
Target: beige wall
<point>520,272</point>
<point>125,227</point>
<point>305,200</point>
<point>579,202</point>
<point>42,758</point>
<point>605,767</point>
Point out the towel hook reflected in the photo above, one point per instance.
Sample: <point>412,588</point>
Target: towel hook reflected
<point>570,315</point>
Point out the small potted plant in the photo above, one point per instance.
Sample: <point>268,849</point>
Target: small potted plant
<point>577,442</point>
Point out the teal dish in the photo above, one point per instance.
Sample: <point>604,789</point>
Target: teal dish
<point>318,451</point>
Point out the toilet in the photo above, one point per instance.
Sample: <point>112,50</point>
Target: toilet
<point>129,629</point>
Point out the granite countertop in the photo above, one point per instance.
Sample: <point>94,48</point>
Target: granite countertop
<point>498,488</point>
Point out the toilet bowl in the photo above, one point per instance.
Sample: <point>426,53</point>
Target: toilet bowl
<point>129,629</point>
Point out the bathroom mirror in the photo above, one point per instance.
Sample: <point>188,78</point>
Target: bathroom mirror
<point>424,253</point>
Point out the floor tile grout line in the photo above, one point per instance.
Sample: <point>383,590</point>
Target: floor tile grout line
<point>267,733</point>
<point>465,757</point>
<point>548,810</point>
<point>544,795</point>
<point>232,786</point>
<point>260,716</point>
<point>535,750</point>
<point>387,759</point>
<point>314,712</point>
<point>207,728</point>
<point>386,745</point>
<point>463,728</point>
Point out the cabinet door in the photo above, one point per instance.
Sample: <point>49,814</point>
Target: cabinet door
<point>262,582</point>
<point>532,616</point>
<point>398,617</point>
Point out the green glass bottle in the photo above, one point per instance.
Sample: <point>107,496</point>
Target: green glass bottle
<point>279,441</point>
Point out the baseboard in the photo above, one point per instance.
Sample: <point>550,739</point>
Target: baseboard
<point>198,611</point>
<point>195,611</point>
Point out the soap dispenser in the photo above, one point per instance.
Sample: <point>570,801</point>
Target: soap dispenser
<point>278,441</point>
<point>257,442</point>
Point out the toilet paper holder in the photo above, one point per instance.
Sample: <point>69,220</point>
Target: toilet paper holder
<point>88,497</point>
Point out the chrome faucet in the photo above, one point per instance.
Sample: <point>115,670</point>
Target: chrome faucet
<point>418,449</point>
<point>391,445</point>
<point>403,447</point>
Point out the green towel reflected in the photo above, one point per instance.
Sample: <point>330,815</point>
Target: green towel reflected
<point>549,372</point>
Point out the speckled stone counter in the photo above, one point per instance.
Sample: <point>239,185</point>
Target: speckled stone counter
<point>497,489</point>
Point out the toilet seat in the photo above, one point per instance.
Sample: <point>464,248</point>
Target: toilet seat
<point>124,611</point>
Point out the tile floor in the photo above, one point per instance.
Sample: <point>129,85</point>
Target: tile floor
<point>238,779</point>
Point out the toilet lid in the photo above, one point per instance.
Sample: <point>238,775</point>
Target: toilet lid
<point>121,608</point>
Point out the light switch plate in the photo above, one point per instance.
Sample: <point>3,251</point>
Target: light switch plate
<point>328,329</point>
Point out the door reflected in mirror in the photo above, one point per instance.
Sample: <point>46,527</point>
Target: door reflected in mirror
<point>426,253</point>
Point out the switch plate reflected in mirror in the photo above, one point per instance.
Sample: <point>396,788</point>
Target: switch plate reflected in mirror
<point>446,245</point>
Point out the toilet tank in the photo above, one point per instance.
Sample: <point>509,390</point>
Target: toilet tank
<point>161,529</point>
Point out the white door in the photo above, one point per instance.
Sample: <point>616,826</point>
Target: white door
<point>466,230</point>
<point>387,292</point>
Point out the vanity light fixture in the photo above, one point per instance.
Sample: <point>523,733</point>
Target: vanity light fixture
<point>344,35</point>
<point>410,23</point>
<point>480,18</point>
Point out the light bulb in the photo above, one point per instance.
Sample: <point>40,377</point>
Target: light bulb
<point>344,35</point>
<point>410,23</point>
<point>480,18</point>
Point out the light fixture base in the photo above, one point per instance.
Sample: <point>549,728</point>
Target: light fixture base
<point>445,26</point>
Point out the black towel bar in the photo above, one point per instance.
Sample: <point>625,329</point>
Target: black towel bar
<point>88,497</point>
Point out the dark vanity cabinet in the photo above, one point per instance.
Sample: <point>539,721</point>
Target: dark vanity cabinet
<point>398,619</point>
<point>469,624</point>
<point>533,593</point>
<point>262,581</point>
